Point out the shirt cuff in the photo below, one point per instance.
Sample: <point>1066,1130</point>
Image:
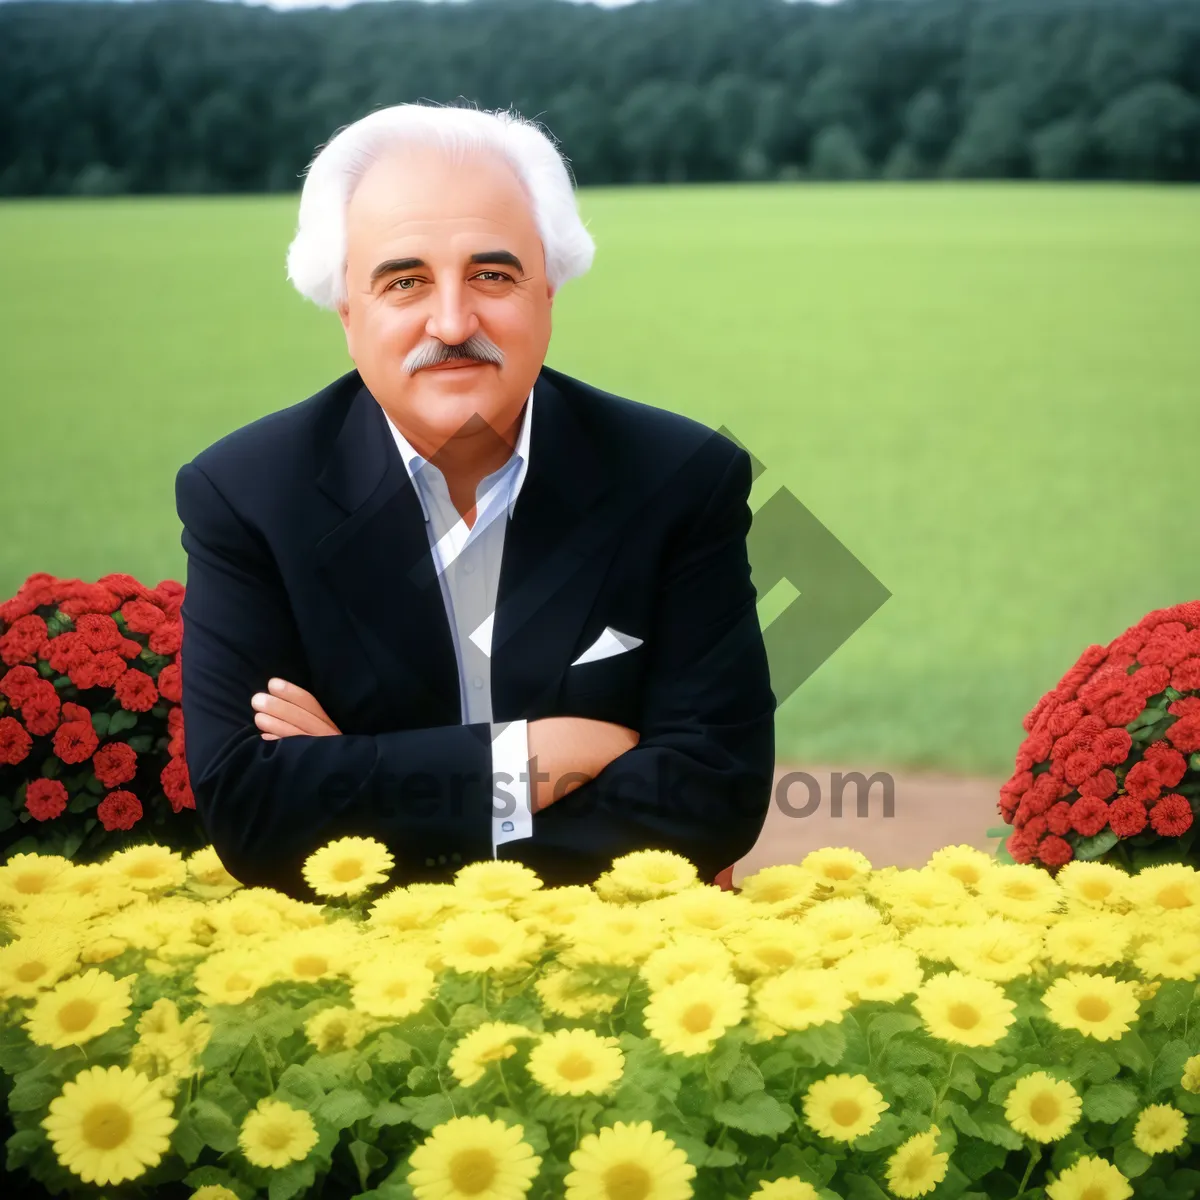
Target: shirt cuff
<point>511,818</point>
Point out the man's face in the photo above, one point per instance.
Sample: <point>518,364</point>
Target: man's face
<point>439,253</point>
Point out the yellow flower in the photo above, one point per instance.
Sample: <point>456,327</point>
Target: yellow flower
<point>491,1042</point>
<point>1021,891</point>
<point>1160,1129</point>
<point>1094,885</point>
<point>109,1124</point>
<point>1170,887</point>
<point>403,910</point>
<point>959,1008</point>
<point>612,935</point>
<point>885,973</point>
<point>845,924</point>
<point>838,868</point>
<point>570,994</point>
<point>554,910</point>
<point>628,1161</point>
<point>1087,941</point>
<point>208,875</point>
<point>1043,1108</point>
<point>1096,1005</point>
<point>1090,1178</point>
<point>102,949</point>
<point>801,997</point>
<point>768,945</point>
<point>79,1009</point>
<point>685,956</point>
<point>231,976</point>
<point>475,1157</point>
<point>275,1134</point>
<point>576,1062</point>
<point>997,949</point>
<point>916,1167</point>
<point>646,875</point>
<point>1191,1075</point>
<point>792,1187</point>
<point>336,1028</point>
<point>476,943</point>
<point>103,889</point>
<point>392,988</point>
<point>1169,957</point>
<point>704,910</point>
<point>243,916</point>
<point>27,875</point>
<point>843,1107</point>
<point>168,1048</point>
<point>938,943</point>
<point>684,1019</point>
<point>312,955</point>
<point>914,897</point>
<point>347,866</point>
<point>149,868</point>
<point>494,883</point>
<point>38,961</point>
<point>214,1191</point>
<point>783,890</point>
<point>964,863</point>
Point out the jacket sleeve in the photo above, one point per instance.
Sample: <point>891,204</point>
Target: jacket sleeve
<point>267,804</point>
<point>699,780</point>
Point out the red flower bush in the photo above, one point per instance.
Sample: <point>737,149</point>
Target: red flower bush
<point>1110,766</point>
<point>91,732</point>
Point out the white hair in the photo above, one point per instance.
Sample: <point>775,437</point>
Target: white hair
<point>316,260</point>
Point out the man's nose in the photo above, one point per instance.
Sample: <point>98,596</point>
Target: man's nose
<point>453,319</point>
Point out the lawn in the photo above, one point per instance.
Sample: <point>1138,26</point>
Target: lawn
<point>988,393</point>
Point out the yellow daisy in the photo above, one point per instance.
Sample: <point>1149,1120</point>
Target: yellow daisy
<point>960,1008</point>
<point>231,976</point>
<point>1190,1082</point>
<point>684,1019</point>
<point>1043,1108</point>
<point>843,1107</point>
<point>347,866</point>
<point>1096,1005</point>
<point>801,997</point>
<point>494,883</point>
<point>313,955</point>
<point>838,868</point>
<point>938,943</point>
<point>105,891</point>
<point>917,896</point>
<point>576,1062</point>
<point>791,1187</point>
<point>783,890</point>
<point>392,988</point>
<point>149,868</point>
<point>768,945</point>
<point>998,949</point>
<point>274,1134</point>
<point>1093,885</point>
<point>245,916</point>
<point>845,924</point>
<point>102,949</point>
<point>1021,891</point>
<point>403,910</point>
<point>79,1009</point>
<point>168,1048</point>
<point>1087,941</point>
<point>964,863</point>
<point>208,875</point>
<point>475,1157</point>
<point>916,1167</point>
<point>1090,1178</point>
<point>477,943</point>
<point>612,935</point>
<point>571,994</point>
<point>336,1028</point>
<point>489,1043</point>
<point>703,910</point>
<point>31,964</point>
<point>646,875</point>
<point>26,875</point>
<point>1170,887</point>
<point>886,973</point>
<point>628,1161</point>
<point>109,1124</point>
<point>554,910</point>
<point>1169,957</point>
<point>214,1191</point>
<point>1160,1129</point>
<point>685,956</point>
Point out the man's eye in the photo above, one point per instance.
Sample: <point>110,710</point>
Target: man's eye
<point>407,279</point>
<point>495,275</point>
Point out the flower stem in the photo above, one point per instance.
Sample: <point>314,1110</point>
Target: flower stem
<point>1034,1154</point>
<point>945,1086</point>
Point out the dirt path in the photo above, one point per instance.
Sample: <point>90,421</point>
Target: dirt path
<point>929,810</point>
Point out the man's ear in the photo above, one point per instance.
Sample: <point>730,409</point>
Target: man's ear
<point>343,312</point>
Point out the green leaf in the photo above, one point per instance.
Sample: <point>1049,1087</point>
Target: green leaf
<point>427,1111</point>
<point>31,1095</point>
<point>1093,1064</point>
<point>1131,1051</point>
<point>1109,1102</point>
<point>1148,716</point>
<point>224,1045</point>
<point>213,1124</point>
<point>976,1159</point>
<point>887,1132</point>
<point>389,1113</point>
<point>1098,844</point>
<point>1168,1066</point>
<point>822,1043</point>
<point>962,1119</point>
<point>886,1025</point>
<point>140,743</point>
<point>759,1114</point>
<point>187,1142</point>
<point>100,723</point>
<point>51,767</point>
<point>291,1180</point>
<point>121,720</point>
<point>367,1158</point>
<point>1130,1161</point>
<point>745,1079</point>
<point>862,1187</point>
<point>344,1106</point>
<point>299,1085</point>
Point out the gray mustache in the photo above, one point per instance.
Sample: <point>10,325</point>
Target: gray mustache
<point>478,346</point>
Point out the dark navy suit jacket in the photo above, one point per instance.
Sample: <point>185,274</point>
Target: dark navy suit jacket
<point>308,559</point>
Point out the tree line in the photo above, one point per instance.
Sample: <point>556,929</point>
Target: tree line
<point>194,96</point>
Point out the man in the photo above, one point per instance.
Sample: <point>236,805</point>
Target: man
<point>457,600</point>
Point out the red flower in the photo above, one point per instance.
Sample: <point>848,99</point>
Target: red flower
<point>1169,765</point>
<point>1126,816</point>
<point>125,586</point>
<point>1169,649</point>
<point>1186,676</point>
<point>167,637</point>
<point>67,650</point>
<point>1101,786</point>
<point>75,712</point>
<point>15,742</point>
<point>1122,709</point>
<point>1171,816</point>
<point>135,691</point>
<point>1031,718</point>
<point>41,708</point>
<point>1083,764</point>
<point>170,683</point>
<point>1113,745</point>
<point>1148,681</point>
<point>115,763</point>
<point>99,631</point>
<point>119,810</point>
<point>1089,816</point>
<point>75,741</point>
<point>45,799</point>
<point>141,616</point>
<point>1064,719</point>
<point>1019,846</point>
<point>90,598</point>
<point>129,648</point>
<point>18,683</point>
<point>22,641</point>
<point>174,715</point>
<point>1104,685</point>
<point>85,674</point>
<point>1058,818</point>
<point>108,666</point>
<point>177,785</point>
<point>1142,782</point>
<point>1054,850</point>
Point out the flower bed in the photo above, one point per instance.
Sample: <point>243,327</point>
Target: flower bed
<point>969,1029</point>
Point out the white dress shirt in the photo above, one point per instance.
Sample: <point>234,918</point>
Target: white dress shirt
<point>468,564</point>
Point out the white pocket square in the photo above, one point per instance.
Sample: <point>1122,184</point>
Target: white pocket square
<point>611,641</point>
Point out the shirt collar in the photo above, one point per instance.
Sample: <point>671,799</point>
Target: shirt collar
<point>413,460</point>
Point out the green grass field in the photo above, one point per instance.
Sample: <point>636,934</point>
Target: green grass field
<point>990,394</point>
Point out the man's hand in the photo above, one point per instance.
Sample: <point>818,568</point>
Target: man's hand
<point>287,710</point>
<point>570,751</point>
